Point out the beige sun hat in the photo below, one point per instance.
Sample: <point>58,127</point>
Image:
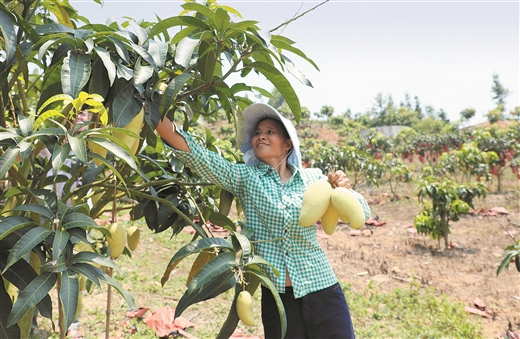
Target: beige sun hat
<point>255,113</point>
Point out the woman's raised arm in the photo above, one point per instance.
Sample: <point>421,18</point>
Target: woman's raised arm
<point>166,130</point>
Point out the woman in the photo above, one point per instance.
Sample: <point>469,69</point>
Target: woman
<point>270,187</point>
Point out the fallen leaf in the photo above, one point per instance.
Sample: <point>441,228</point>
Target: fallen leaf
<point>136,313</point>
<point>479,304</point>
<point>162,321</point>
<point>499,210</point>
<point>363,273</point>
<point>476,311</point>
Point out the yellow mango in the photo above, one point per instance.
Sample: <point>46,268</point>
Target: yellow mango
<point>348,207</point>
<point>133,234</point>
<point>95,148</point>
<point>245,308</point>
<point>316,200</point>
<point>329,220</point>
<point>135,125</point>
<point>118,241</point>
<point>80,306</point>
<point>82,281</point>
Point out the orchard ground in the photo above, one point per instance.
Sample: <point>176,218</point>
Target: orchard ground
<point>391,256</point>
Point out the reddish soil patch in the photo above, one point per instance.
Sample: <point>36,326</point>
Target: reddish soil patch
<point>393,255</point>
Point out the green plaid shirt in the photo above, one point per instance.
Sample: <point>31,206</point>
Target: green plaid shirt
<point>272,210</point>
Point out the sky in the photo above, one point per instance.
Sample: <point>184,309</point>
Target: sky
<point>443,52</point>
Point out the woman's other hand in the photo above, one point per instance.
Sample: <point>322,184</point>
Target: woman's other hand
<point>339,179</point>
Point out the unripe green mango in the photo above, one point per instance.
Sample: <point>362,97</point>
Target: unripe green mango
<point>348,207</point>
<point>316,200</point>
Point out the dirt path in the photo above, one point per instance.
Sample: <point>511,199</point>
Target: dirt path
<point>392,255</point>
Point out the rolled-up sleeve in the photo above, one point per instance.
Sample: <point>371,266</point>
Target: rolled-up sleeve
<point>364,204</point>
<point>209,165</point>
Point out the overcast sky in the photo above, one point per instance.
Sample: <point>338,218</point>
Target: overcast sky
<point>443,52</point>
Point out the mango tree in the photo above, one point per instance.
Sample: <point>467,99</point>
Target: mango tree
<point>443,202</point>
<point>58,64</point>
<point>395,172</point>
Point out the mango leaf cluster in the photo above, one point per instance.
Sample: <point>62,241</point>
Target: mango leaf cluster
<point>223,264</point>
<point>56,64</point>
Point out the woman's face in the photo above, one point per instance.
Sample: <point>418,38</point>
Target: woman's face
<point>269,144</point>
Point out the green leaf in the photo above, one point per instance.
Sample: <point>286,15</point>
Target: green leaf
<point>168,23</point>
<point>125,106</point>
<point>26,125</point>
<point>296,73</point>
<point>191,248</point>
<point>258,260</point>
<point>213,268</point>
<point>61,238</point>
<point>282,85</point>
<point>159,52</point>
<point>128,298</point>
<point>31,295</point>
<point>185,54</point>
<point>221,220</point>
<point>35,208</point>
<point>5,309</point>
<point>144,54</point>
<point>120,49</point>
<point>122,153</point>
<point>171,92</point>
<point>8,159</point>
<point>69,292</point>
<point>91,272</point>
<point>281,310</point>
<point>8,32</point>
<point>285,43</point>
<point>225,202</point>
<point>193,6</point>
<point>26,243</point>
<point>79,147</point>
<point>139,31</point>
<point>14,223</point>
<point>110,67</point>
<point>222,20</point>
<point>20,275</point>
<point>93,258</point>
<point>142,72</point>
<point>75,73</point>
<point>211,277</point>
<point>231,322</point>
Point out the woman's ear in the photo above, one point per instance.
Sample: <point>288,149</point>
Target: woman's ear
<point>289,145</point>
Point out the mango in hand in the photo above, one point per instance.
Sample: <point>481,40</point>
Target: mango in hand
<point>316,200</point>
<point>329,220</point>
<point>348,206</point>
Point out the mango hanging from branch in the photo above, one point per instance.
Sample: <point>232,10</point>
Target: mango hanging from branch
<point>135,125</point>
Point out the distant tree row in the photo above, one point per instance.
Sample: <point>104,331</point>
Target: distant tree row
<point>411,113</point>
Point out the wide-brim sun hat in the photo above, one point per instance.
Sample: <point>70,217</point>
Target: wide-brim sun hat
<point>257,112</point>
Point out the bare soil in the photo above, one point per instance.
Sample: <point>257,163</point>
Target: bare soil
<point>394,254</point>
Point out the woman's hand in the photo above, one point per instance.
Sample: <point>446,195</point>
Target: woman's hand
<point>339,179</point>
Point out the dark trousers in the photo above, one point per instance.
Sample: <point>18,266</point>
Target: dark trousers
<point>319,315</point>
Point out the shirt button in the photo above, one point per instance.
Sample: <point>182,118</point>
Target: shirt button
<point>285,231</point>
<point>286,253</point>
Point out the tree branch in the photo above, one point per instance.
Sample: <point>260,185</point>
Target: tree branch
<point>297,17</point>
